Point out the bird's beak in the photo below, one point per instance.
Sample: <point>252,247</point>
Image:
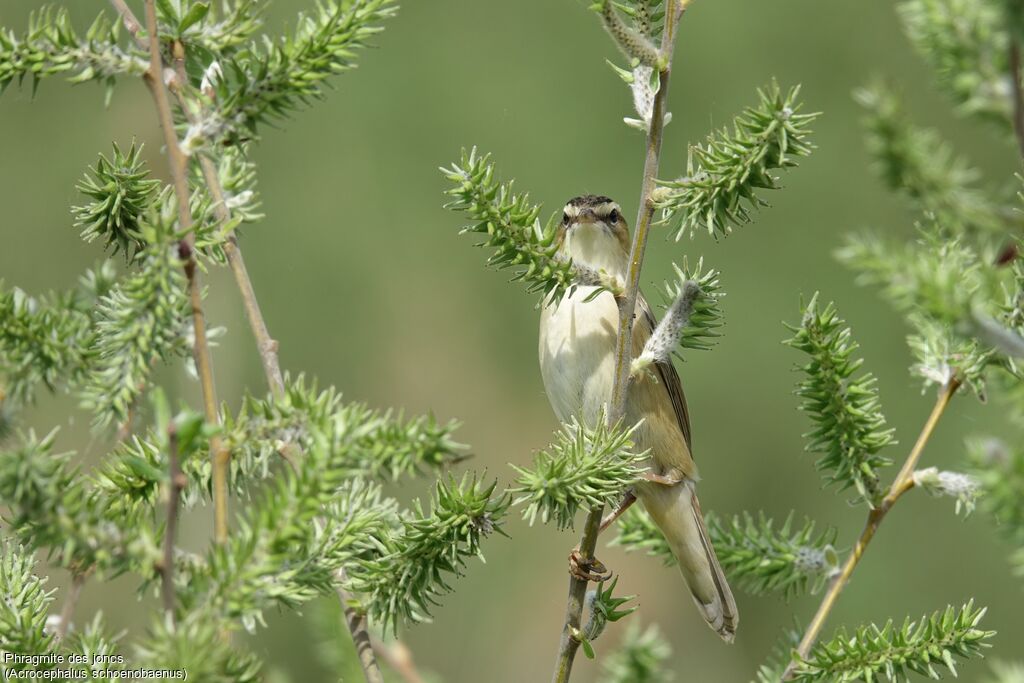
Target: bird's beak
<point>586,216</point>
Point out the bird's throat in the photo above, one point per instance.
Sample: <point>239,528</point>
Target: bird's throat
<point>595,246</point>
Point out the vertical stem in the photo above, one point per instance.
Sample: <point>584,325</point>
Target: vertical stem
<point>570,643</point>
<point>356,622</point>
<point>176,483</point>
<point>903,482</point>
<point>266,344</point>
<point>204,365</point>
<point>68,610</point>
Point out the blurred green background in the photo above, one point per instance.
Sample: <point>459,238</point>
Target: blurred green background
<point>367,286</point>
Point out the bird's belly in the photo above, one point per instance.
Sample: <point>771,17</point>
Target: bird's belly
<point>577,353</point>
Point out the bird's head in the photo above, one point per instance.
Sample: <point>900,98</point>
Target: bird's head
<point>594,233</point>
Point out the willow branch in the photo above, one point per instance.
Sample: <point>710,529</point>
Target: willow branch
<point>265,344</point>
<point>67,611</point>
<point>177,483</point>
<point>903,482</point>
<point>186,250</point>
<point>398,656</point>
<point>355,619</point>
<point>570,642</point>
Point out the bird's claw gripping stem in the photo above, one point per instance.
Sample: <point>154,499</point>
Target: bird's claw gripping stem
<point>585,569</point>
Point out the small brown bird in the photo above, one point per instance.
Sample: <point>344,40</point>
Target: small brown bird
<point>577,350</point>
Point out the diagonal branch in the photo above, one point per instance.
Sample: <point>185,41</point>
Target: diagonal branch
<point>904,482</point>
<point>570,642</point>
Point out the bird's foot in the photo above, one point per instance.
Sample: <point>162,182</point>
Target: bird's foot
<point>663,479</point>
<point>585,569</point>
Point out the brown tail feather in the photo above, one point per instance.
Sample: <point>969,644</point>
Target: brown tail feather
<point>677,513</point>
<point>730,616</point>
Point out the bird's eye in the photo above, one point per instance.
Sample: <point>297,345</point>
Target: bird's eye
<point>565,218</point>
<point>613,217</point>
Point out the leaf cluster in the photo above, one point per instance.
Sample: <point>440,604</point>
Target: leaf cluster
<point>923,647</point>
<point>725,174</point>
<point>640,657</point>
<point>966,43</point>
<point>267,81</point>
<point>122,193</point>
<point>918,163</point>
<point>512,228</point>
<point>52,46</point>
<point>849,429</point>
<point>763,558</point>
<point>585,467</point>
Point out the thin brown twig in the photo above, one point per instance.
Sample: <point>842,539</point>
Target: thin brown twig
<point>398,656</point>
<point>186,250</point>
<point>903,482</point>
<point>176,483</point>
<point>68,609</point>
<point>570,642</point>
<point>266,345</point>
<point>131,22</point>
<point>356,622</point>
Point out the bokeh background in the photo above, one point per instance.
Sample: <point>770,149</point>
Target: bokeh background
<point>367,285</point>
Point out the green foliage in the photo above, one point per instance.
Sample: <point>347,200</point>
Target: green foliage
<point>44,340</point>
<point>412,570</point>
<point>52,46</point>
<point>942,285</point>
<point>788,560</point>
<point>236,22</point>
<point>264,83</point>
<point>919,164</point>
<point>998,468</point>
<point>513,229</point>
<point>122,194</point>
<point>142,322</point>
<point>763,559</point>
<point>774,668</point>
<point>640,658</point>
<point>381,447</point>
<point>50,506</point>
<point>701,329</point>
<point>724,174</point>
<point>585,467</point>
<point>197,645</point>
<point>849,428</point>
<point>92,642</point>
<point>24,609</point>
<point>966,44</point>
<point>892,652</point>
<point>603,607</point>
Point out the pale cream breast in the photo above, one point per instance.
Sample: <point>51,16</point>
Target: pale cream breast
<point>577,353</point>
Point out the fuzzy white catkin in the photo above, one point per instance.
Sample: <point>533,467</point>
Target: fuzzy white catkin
<point>669,331</point>
<point>634,45</point>
<point>957,485</point>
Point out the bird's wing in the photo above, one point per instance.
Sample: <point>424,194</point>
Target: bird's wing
<point>667,374</point>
